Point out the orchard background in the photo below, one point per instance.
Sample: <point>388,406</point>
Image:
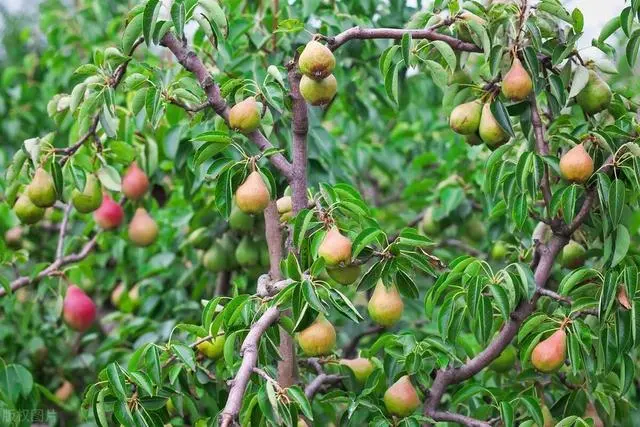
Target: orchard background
<point>319,213</point>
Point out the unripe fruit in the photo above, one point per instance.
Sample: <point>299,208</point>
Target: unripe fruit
<point>360,366</point>
<point>623,298</point>
<point>79,311</point>
<point>109,215</point>
<point>239,220</point>
<point>318,92</point>
<point>489,130</point>
<point>245,116</point>
<point>505,361</point>
<point>316,60</point>
<point>592,413</point>
<point>13,237</point>
<point>143,230</point>
<point>429,225</point>
<point>344,275</point>
<point>41,190</point>
<point>252,196</point>
<point>284,204</point>
<point>302,423</point>
<point>26,211</point>
<point>401,399</point>
<point>516,84</point>
<point>473,139</point>
<point>595,96</point>
<point>549,355</point>
<point>89,199</point>
<point>64,391</point>
<point>229,246</point>
<point>335,248</point>
<point>573,255</point>
<point>576,165</point>
<point>463,29</point>
<point>465,118</point>
<point>459,76</point>
<point>385,306</point>
<point>499,251</point>
<point>475,229</point>
<point>247,253</point>
<point>215,259</point>
<point>212,348</point>
<point>132,300</point>
<point>134,182</point>
<point>318,339</point>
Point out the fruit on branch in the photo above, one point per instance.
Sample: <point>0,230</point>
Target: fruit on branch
<point>247,253</point>
<point>89,199</point>
<point>623,297</point>
<point>78,310</point>
<point>143,230</point>
<point>245,115</point>
<point>385,306</point>
<point>592,412</point>
<point>576,165</point>
<point>316,61</point>
<point>573,255</point>
<point>505,361</point>
<point>430,226</point>
<point>499,251</point>
<point>318,92</point>
<point>26,211</point>
<point>360,366</point>
<point>229,246</point>
<point>401,399</point>
<point>490,130</point>
<point>547,418</point>
<point>215,259</point>
<point>212,348</point>
<point>252,196</point>
<point>13,237</point>
<point>595,96</point>
<point>135,182</point>
<point>318,339</point>
<point>465,118</point>
<point>459,76</point>
<point>64,392</point>
<point>132,300</point>
<point>462,26</point>
<point>335,248</point>
<point>285,208</point>
<point>41,190</point>
<point>345,275</point>
<point>517,84</point>
<point>474,229</point>
<point>239,220</point>
<point>109,215</point>
<point>473,139</point>
<point>549,354</point>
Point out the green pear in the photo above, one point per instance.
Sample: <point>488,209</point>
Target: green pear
<point>245,116</point>
<point>385,306</point>
<point>316,61</point>
<point>465,118</point>
<point>318,92</point>
<point>576,165</point>
<point>215,259</point>
<point>474,229</point>
<point>489,130</point>
<point>318,339</point>
<point>229,246</point>
<point>429,225</point>
<point>247,252</point>
<point>505,361</point>
<point>462,27</point>
<point>252,196</point>
<point>459,76</point>
<point>360,366</point>
<point>573,255</point>
<point>401,399</point>
<point>26,211</point>
<point>212,348</point>
<point>89,199</point>
<point>498,251</point>
<point>335,248</point>
<point>42,190</point>
<point>344,275</point>
<point>595,96</point>
<point>240,221</point>
<point>517,84</point>
<point>549,354</point>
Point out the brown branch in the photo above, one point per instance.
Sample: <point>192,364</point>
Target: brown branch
<point>457,418</point>
<point>63,231</point>
<point>349,350</point>
<point>554,295</point>
<point>458,244</point>
<point>223,283</point>
<point>189,108</point>
<point>300,127</point>
<point>268,378</point>
<point>318,382</point>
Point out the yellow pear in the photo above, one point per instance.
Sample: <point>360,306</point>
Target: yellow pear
<point>41,189</point>
<point>318,339</point>
<point>549,355</point>
<point>489,130</point>
<point>385,306</point>
<point>516,84</point>
<point>401,399</point>
<point>318,92</point>
<point>360,366</point>
<point>335,248</point>
<point>576,165</point>
<point>465,118</point>
<point>316,60</point>
<point>143,230</point>
<point>245,115</point>
<point>252,196</point>
<point>212,348</point>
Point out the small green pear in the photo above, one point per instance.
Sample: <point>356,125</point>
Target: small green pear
<point>247,253</point>
<point>385,306</point>
<point>549,354</point>
<point>89,199</point>
<point>401,399</point>
<point>595,96</point>
<point>573,255</point>
<point>498,251</point>
<point>252,196</point>
<point>505,361</point>
<point>345,275</point>
<point>318,339</point>
<point>240,221</point>
<point>316,61</point>
<point>429,225</point>
<point>360,366</point>
<point>576,165</point>
<point>245,116</point>
<point>215,259</point>
<point>335,248</point>
<point>459,76</point>
<point>489,130</point>
<point>465,118</point>
<point>212,348</point>
<point>318,92</point>
<point>517,84</point>
<point>41,190</point>
<point>547,418</point>
<point>474,229</point>
<point>229,246</point>
<point>26,211</point>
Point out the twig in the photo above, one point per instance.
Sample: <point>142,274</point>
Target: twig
<point>457,418</point>
<point>542,147</point>
<point>458,244</point>
<point>63,230</point>
<point>314,386</point>
<point>192,345</point>
<point>554,295</point>
<point>268,378</point>
<point>349,350</point>
<point>189,108</point>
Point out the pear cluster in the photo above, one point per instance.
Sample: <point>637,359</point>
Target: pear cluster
<point>476,122</point>
<point>316,63</point>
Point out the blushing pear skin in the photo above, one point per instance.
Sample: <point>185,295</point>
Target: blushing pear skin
<point>549,355</point>
<point>401,399</point>
<point>505,361</point>
<point>592,413</point>
<point>576,165</point>
<point>213,348</point>
<point>517,84</point>
<point>318,339</point>
<point>245,116</point>
<point>64,392</point>
<point>344,275</point>
<point>360,367</point>
<point>252,196</point>
<point>89,199</point>
<point>78,310</point>
<point>41,190</point>
<point>573,255</point>
<point>489,130</point>
<point>26,211</point>
<point>109,215</point>
<point>143,230</point>
<point>335,247</point>
<point>385,306</point>
<point>134,182</point>
<point>595,96</point>
<point>318,92</point>
<point>316,61</point>
<point>465,118</point>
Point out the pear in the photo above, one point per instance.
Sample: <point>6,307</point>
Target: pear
<point>462,27</point>
<point>13,237</point>
<point>549,354</point>
<point>215,259</point>
<point>41,190</point>
<point>79,311</point>
<point>247,253</point>
<point>89,199</point>
<point>623,298</point>
<point>465,118</point>
<point>473,139</point>
<point>285,208</point>
<point>474,229</point>
<point>385,306</point>
<point>498,251</point>
<point>212,348</point>
<point>576,165</point>
<point>344,275</point>
<point>516,84</point>
<point>245,115</point>
<point>143,230</point>
<point>64,392</point>
<point>318,92</point>
<point>302,423</point>
<point>459,76</point>
<point>316,61</point>
<point>109,215</point>
<point>335,248</point>
<point>229,246</point>
<point>252,196</point>
<point>595,96</point>
<point>318,339</point>
<point>573,255</point>
<point>360,366</point>
<point>505,361</point>
<point>592,413</point>
<point>26,211</point>
<point>401,399</point>
<point>135,182</point>
<point>489,130</point>
<point>429,225</point>
<point>129,303</point>
<point>239,220</point>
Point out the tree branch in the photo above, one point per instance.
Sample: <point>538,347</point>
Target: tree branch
<point>457,418</point>
<point>318,382</point>
<point>349,350</point>
<point>63,230</point>
<point>554,295</point>
<point>300,127</point>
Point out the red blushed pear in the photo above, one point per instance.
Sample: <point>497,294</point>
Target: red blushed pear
<point>335,248</point>
<point>401,399</point>
<point>134,182</point>
<point>79,311</point>
<point>516,84</point>
<point>385,306</point>
<point>252,196</point>
<point>549,355</point>
<point>109,215</point>
<point>576,165</point>
<point>143,230</point>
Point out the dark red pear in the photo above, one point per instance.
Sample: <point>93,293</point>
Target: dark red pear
<point>110,214</point>
<point>79,311</point>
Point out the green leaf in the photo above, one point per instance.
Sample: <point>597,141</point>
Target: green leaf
<point>178,16</point>
<point>110,178</point>
<point>632,48</point>
<point>309,293</point>
<point>623,241</point>
<point>506,412</point>
<point>447,53</point>
<point>616,201</point>
<point>501,115</point>
<point>149,16</point>
<point>116,381</point>
<point>297,395</point>
<point>131,33</point>
<point>364,238</point>
<point>406,48</point>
